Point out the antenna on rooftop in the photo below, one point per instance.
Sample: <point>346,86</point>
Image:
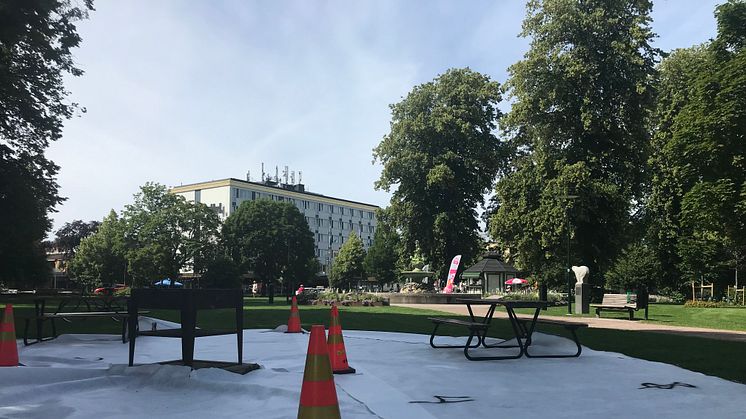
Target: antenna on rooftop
<point>262,171</point>
<point>300,176</point>
<point>285,174</point>
<point>248,175</point>
<point>292,177</point>
<point>277,174</point>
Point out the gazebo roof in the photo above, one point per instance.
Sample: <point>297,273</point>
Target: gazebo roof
<point>490,263</point>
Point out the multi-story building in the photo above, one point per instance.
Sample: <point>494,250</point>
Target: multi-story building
<point>330,219</point>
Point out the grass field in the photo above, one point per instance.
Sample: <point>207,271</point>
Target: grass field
<point>709,356</point>
<point>676,315</point>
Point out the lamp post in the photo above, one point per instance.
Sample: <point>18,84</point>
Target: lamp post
<point>568,198</point>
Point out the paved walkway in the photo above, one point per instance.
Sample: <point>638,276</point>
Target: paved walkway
<point>618,324</point>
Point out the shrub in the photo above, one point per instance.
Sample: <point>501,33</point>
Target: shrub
<point>706,304</point>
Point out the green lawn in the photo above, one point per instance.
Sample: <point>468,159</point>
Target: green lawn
<point>675,315</point>
<point>712,357</point>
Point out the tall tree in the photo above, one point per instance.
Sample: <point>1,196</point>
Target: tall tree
<point>442,156</point>
<point>165,234</point>
<point>382,258</point>
<point>579,123</point>
<point>272,239</point>
<point>68,237</point>
<point>36,40</point>
<point>100,257</point>
<point>349,264</point>
<point>699,154</point>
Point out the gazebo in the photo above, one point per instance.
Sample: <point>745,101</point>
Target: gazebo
<point>489,274</point>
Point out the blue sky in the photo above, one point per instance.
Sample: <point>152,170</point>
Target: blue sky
<point>180,92</point>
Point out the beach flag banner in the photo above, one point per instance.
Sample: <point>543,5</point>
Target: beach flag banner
<point>452,274</point>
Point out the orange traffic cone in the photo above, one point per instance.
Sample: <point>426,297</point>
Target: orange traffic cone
<point>318,396</point>
<point>294,320</point>
<point>8,346</point>
<point>336,343</point>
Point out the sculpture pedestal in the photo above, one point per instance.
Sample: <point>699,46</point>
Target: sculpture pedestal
<point>582,298</point>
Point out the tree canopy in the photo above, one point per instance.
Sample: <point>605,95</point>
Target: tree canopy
<point>382,258</point>
<point>164,233</point>
<point>100,257</point>
<point>698,197</point>
<point>68,237</point>
<point>36,43</point>
<point>272,239</point>
<point>579,126</point>
<point>441,156</point>
<point>157,236</point>
<point>349,264</point>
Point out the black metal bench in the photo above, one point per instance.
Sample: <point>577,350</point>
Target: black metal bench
<point>623,302</point>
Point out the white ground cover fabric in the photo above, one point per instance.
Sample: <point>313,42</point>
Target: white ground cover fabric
<point>85,376</point>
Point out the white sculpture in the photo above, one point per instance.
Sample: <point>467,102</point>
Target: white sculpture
<point>581,272</point>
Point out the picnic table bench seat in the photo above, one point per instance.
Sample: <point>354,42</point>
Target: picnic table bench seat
<point>622,302</point>
<point>41,318</point>
<point>572,327</point>
<point>473,327</point>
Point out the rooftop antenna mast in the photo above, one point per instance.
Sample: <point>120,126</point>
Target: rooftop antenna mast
<point>262,171</point>
<point>292,177</point>
<point>248,175</point>
<point>285,174</point>
<point>300,176</point>
<point>277,174</point>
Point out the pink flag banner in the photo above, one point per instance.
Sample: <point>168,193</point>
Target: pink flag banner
<point>452,274</point>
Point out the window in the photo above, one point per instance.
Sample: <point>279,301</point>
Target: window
<point>321,207</point>
<point>331,209</point>
<point>331,223</point>
<point>342,210</point>
<point>360,212</point>
<point>236,192</point>
<point>370,215</point>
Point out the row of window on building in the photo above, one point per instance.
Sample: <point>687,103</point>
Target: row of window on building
<point>304,204</point>
<point>329,238</point>
<point>340,224</point>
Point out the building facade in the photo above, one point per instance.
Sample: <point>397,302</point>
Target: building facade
<point>330,219</point>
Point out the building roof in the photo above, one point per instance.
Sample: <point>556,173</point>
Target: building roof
<point>290,190</point>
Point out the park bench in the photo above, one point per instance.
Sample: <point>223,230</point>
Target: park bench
<point>572,327</point>
<point>478,329</point>
<point>82,308</point>
<point>623,302</point>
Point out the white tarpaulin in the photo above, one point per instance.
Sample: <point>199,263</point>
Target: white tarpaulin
<point>398,376</point>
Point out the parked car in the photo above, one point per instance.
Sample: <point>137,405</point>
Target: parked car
<point>109,290</point>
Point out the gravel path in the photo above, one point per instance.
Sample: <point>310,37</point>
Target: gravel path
<point>618,324</point>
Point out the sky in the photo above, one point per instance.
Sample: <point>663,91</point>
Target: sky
<point>182,92</point>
